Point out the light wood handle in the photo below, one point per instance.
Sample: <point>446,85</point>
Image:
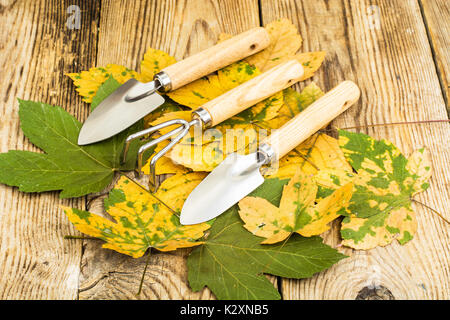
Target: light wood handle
<point>253,91</point>
<point>317,115</point>
<point>217,57</point>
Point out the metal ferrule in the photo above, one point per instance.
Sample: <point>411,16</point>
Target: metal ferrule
<point>203,115</point>
<point>266,154</point>
<point>164,81</point>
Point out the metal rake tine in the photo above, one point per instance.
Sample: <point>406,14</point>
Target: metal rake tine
<point>153,183</point>
<point>153,129</point>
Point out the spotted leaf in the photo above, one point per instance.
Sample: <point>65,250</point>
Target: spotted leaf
<point>284,43</point>
<point>154,61</point>
<point>142,220</point>
<point>88,82</point>
<point>380,208</point>
<point>196,93</point>
<point>297,211</point>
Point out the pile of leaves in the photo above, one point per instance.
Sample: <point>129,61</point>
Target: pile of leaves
<point>272,231</point>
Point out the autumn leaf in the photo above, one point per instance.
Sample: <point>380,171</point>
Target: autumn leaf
<point>76,170</point>
<point>197,93</point>
<point>284,43</point>
<point>241,133</point>
<point>380,208</point>
<point>232,262</point>
<point>311,61</point>
<point>88,82</point>
<point>321,156</point>
<point>297,211</point>
<point>154,61</point>
<point>142,221</point>
<point>293,103</point>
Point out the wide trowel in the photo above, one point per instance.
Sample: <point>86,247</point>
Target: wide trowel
<point>134,100</point>
<point>238,175</point>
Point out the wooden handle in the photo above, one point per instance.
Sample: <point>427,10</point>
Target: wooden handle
<point>217,57</point>
<point>253,91</point>
<point>318,114</point>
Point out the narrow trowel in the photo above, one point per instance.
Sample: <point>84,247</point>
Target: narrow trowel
<point>134,100</point>
<point>238,175</point>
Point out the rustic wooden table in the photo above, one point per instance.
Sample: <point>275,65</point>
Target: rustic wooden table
<point>397,52</point>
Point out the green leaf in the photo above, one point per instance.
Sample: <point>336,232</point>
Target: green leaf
<point>141,220</point>
<point>380,208</point>
<point>108,87</point>
<point>76,170</point>
<point>232,262</point>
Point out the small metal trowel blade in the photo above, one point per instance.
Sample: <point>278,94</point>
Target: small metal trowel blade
<point>228,183</point>
<point>116,112</point>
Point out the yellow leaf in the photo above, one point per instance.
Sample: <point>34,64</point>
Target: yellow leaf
<point>318,153</point>
<point>164,165</point>
<point>141,220</point>
<point>380,209</point>
<point>154,61</point>
<point>311,61</point>
<point>293,103</point>
<point>284,43</point>
<point>88,82</point>
<point>199,92</point>
<point>205,152</point>
<point>297,211</point>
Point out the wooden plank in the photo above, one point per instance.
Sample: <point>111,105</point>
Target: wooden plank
<point>437,21</point>
<point>394,67</point>
<point>36,49</point>
<point>180,28</point>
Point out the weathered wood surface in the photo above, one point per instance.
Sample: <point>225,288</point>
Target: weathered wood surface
<point>36,49</point>
<point>436,15</point>
<point>180,28</point>
<point>393,63</point>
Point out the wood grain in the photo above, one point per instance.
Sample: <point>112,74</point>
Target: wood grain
<point>401,75</point>
<point>36,49</point>
<point>394,68</point>
<point>180,28</point>
<point>437,21</point>
<point>253,91</point>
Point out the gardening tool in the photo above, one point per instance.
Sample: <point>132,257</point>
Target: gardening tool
<point>238,175</point>
<point>133,100</point>
<point>217,110</point>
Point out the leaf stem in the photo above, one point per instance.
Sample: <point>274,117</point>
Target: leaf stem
<point>68,237</point>
<point>393,124</point>
<point>433,210</point>
<point>141,283</point>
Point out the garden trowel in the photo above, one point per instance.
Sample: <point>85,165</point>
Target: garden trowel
<point>134,100</point>
<point>238,175</point>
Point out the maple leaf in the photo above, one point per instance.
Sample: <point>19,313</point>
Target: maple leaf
<point>154,61</point>
<point>284,43</point>
<point>311,61</point>
<point>297,211</point>
<point>319,155</point>
<point>380,208</point>
<point>231,262</point>
<point>197,93</point>
<point>76,170</point>
<point>241,133</point>
<point>142,221</point>
<point>88,82</point>
<point>293,103</point>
